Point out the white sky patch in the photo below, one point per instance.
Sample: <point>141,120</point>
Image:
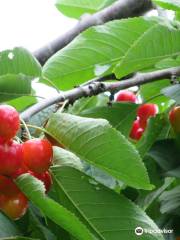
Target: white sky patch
<point>30,23</point>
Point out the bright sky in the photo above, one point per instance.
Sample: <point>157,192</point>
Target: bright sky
<point>30,23</point>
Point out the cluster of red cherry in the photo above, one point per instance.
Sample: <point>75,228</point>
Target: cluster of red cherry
<point>144,112</point>
<point>33,156</point>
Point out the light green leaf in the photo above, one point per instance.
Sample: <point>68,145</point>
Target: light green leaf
<point>120,115</point>
<point>153,131</point>
<point>169,4</point>
<point>14,86</point>
<point>22,103</point>
<point>95,141</point>
<point>130,42</point>
<point>7,227</point>
<point>76,8</point>
<point>144,51</point>
<point>168,63</point>
<point>19,60</point>
<point>35,192</point>
<point>108,215</point>
<point>85,103</point>
<point>63,157</point>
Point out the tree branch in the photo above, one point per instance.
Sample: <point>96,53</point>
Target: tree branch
<point>120,9</point>
<point>99,87</point>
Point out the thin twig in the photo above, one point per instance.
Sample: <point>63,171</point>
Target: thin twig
<point>99,87</point>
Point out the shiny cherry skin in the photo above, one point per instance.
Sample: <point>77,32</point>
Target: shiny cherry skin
<point>37,155</point>
<point>45,178</point>
<point>126,96</point>
<point>174,118</point>
<point>8,187</point>
<point>136,131</point>
<point>10,158</point>
<point>14,207</point>
<point>9,122</point>
<point>23,169</point>
<point>146,111</point>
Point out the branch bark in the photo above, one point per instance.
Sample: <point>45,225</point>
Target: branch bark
<point>99,87</point>
<point>120,9</point>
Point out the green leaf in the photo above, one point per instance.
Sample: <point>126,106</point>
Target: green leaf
<point>14,86</point>
<point>76,8</point>
<point>130,42</point>
<point>154,129</point>
<point>166,154</point>
<point>85,103</point>
<point>95,141</point>
<point>170,201</point>
<point>37,229</point>
<point>19,60</point>
<point>172,92</point>
<point>19,238</point>
<point>63,157</point>
<point>108,215</point>
<point>22,103</point>
<point>147,36</point>
<point>151,92</point>
<point>169,4</point>
<point>7,227</point>
<point>168,63</point>
<point>174,173</point>
<point>148,200</point>
<point>35,191</point>
<point>120,115</point>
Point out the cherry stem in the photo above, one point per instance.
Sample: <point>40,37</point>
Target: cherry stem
<point>40,129</point>
<point>26,129</point>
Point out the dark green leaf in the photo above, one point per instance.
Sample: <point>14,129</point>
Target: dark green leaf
<point>120,115</point>
<point>7,227</point>
<point>35,191</point>
<point>95,141</point>
<point>170,201</point>
<point>153,131</point>
<point>147,201</point>
<point>166,154</point>
<point>108,215</point>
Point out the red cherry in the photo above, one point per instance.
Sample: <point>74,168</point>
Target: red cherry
<point>20,171</point>
<point>8,187</point>
<point>14,207</point>
<point>10,158</point>
<point>136,131</point>
<point>139,133</point>
<point>126,96</point>
<point>146,111</point>
<point>174,118</point>
<point>45,178</point>
<point>37,155</point>
<point>9,122</point>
